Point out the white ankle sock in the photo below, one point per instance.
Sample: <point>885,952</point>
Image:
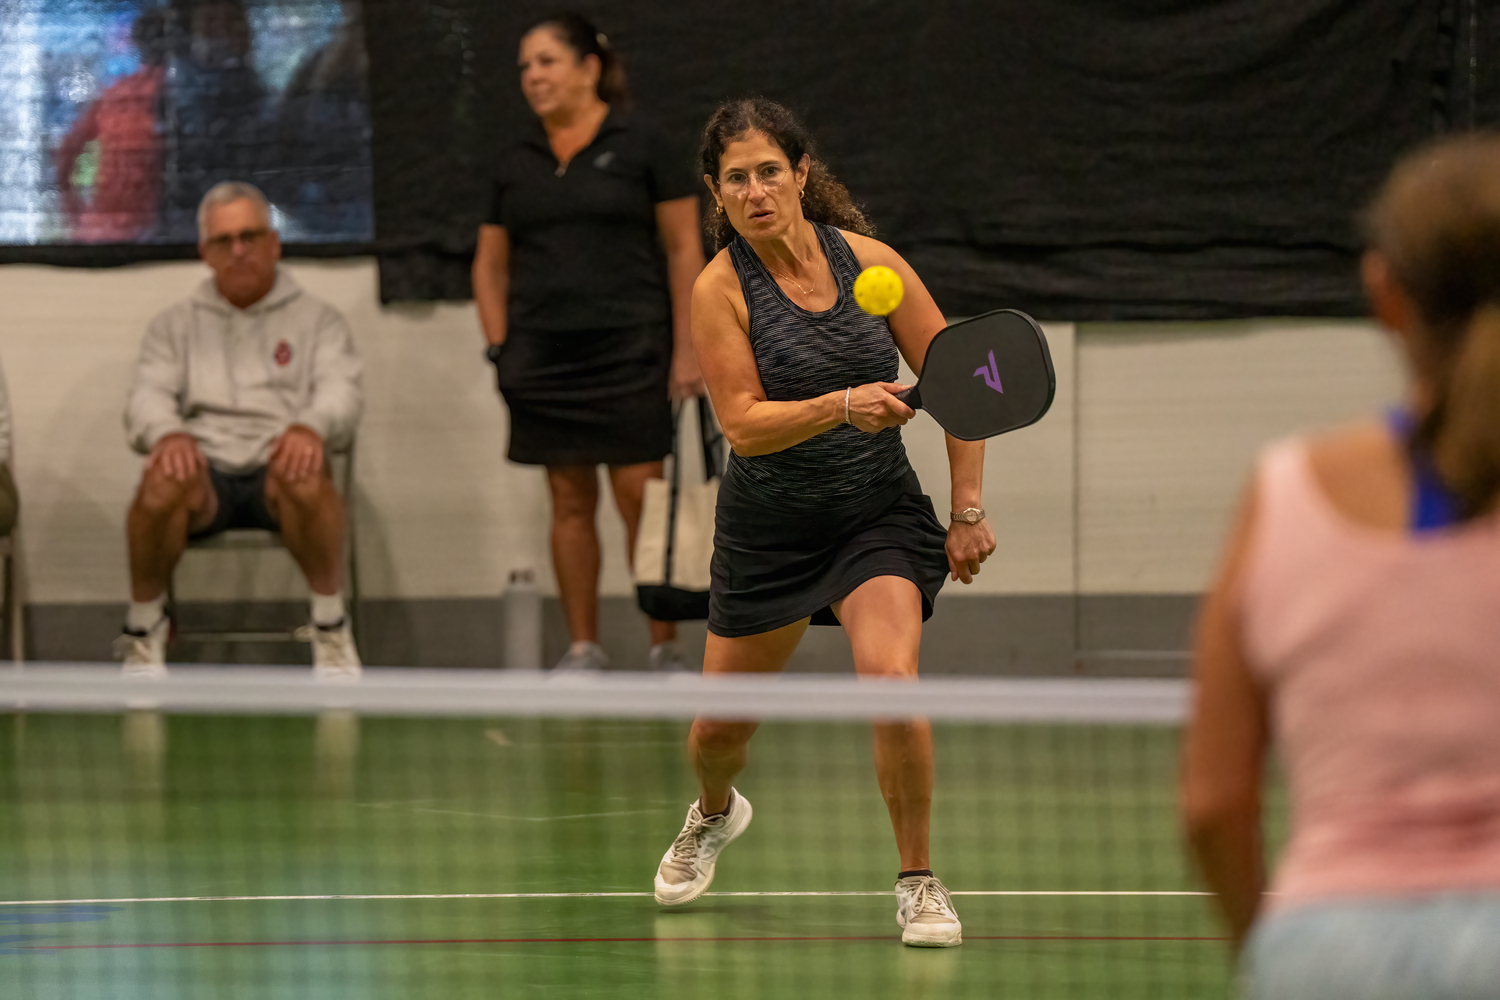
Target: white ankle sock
<point>327,609</point>
<point>141,615</point>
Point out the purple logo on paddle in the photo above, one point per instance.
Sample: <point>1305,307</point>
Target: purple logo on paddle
<point>991,374</point>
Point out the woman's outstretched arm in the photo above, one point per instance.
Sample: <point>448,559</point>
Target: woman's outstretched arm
<point>752,424</point>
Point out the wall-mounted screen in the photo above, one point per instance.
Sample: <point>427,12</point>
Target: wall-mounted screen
<point>117,115</point>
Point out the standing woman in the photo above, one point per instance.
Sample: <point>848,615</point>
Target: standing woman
<point>821,519</point>
<point>583,277</point>
<point>1356,622</point>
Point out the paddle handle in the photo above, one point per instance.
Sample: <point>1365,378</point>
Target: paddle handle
<point>911,396</point>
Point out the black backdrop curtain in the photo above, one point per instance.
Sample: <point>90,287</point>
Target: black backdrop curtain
<point>1081,159</point>
<point>1078,159</point>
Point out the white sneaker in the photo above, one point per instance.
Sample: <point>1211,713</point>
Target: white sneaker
<point>590,656</point>
<point>666,657</point>
<point>334,655</point>
<point>688,866</point>
<point>144,653</point>
<point>925,913</point>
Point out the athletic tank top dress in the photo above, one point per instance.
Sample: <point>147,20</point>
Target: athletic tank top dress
<point>801,528</point>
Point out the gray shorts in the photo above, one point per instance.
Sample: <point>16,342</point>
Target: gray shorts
<point>1431,947</point>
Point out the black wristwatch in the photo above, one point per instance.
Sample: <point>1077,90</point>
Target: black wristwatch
<point>492,353</point>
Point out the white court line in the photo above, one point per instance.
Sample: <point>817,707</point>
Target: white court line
<point>536,819</point>
<point>552,895</point>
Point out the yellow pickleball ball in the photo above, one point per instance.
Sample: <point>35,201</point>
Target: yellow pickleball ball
<point>878,290</point>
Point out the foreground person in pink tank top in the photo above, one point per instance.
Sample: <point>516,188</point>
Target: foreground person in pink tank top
<point>1355,624</point>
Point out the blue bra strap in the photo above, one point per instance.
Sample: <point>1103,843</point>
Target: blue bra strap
<point>1434,505</point>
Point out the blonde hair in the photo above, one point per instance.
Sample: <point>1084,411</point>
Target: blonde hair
<point>1436,222</point>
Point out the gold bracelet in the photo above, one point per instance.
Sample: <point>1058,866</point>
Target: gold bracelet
<point>846,406</point>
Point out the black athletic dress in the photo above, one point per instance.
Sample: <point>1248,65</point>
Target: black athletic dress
<point>801,528</point>
<point>588,351</point>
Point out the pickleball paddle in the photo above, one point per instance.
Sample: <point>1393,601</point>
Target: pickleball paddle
<point>985,376</point>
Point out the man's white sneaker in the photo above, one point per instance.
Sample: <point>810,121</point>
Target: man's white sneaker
<point>688,866</point>
<point>925,912</point>
<point>144,653</point>
<point>334,655</point>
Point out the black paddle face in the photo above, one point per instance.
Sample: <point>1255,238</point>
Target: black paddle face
<point>986,375</point>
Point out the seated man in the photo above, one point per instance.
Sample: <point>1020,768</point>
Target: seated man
<point>238,390</point>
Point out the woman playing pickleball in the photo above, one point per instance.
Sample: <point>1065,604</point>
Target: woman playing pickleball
<point>1355,624</point>
<point>821,520</point>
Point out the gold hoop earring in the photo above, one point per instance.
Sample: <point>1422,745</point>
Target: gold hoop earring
<point>719,209</point>
<point>802,193</point>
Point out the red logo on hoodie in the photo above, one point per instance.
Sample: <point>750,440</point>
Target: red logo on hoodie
<point>283,354</point>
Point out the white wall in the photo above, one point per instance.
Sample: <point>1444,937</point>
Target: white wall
<point>1157,439</point>
<point>1172,418</point>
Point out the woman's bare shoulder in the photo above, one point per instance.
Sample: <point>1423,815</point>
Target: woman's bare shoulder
<point>1362,469</point>
<point>718,288</point>
<point>720,266</point>
<point>718,276</point>
<point>1354,443</point>
<point>870,251</point>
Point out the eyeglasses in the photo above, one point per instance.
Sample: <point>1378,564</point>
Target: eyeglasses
<point>770,176</point>
<point>226,241</point>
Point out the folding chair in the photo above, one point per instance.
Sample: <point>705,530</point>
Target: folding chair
<point>12,608</point>
<point>255,539</point>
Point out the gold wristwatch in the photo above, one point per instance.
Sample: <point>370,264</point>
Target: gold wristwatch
<point>969,515</point>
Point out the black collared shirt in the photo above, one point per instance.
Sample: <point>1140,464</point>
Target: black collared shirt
<point>584,248</point>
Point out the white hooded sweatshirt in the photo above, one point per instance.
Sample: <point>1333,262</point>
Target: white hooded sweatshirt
<point>235,378</point>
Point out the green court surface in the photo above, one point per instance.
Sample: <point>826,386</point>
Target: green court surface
<point>122,824</point>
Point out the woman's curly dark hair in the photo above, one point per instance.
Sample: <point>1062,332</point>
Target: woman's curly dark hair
<point>825,199</point>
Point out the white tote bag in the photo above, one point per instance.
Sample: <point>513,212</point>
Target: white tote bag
<point>675,542</point>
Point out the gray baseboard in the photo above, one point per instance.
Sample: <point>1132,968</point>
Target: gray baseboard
<point>1101,635</point>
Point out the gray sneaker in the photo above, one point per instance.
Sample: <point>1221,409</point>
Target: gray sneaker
<point>666,657</point>
<point>688,866</point>
<point>925,913</point>
<point>590,657</point>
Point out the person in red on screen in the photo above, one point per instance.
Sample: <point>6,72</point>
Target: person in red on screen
<point>240,392</point>
<point>1355,622</point>
<point>125,121</point>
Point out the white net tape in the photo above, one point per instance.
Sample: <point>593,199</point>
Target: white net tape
<point>477,693</point>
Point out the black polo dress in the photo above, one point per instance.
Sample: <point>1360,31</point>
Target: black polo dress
<point>589,345</point>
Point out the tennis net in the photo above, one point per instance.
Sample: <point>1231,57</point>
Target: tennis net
<point>235,833</point>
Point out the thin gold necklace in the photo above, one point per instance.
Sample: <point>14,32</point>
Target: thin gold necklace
<point>788,277</point>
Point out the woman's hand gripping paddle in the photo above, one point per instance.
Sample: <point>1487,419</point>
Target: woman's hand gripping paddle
<point>985,376</point>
